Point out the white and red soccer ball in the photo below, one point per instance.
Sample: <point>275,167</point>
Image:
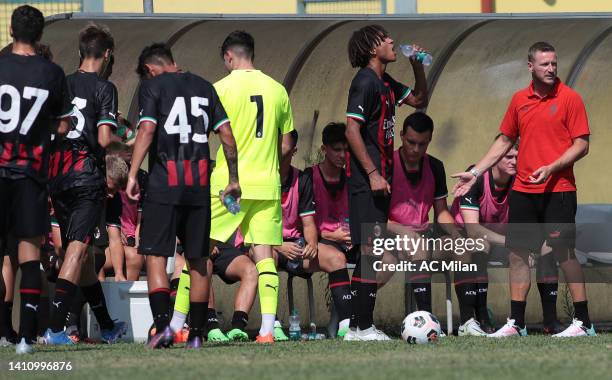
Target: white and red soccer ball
<point>421,327</point>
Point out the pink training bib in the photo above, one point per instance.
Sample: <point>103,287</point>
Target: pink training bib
<point>290,205</point>
<point>331,211</point>
<point>410,204</point>
<point>129,215</point>
<point>492,213</point>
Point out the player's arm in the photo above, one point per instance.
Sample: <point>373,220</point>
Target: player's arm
<point>578,149</point>
<point>63,107</point>
<point>107,113</point>
<point>444,218</point>
<point>231,155</point>
<point>307,210</point>
<point>466,180</point>
<point>471,219</point>
<point>144,139</point>
<point>418,97</point>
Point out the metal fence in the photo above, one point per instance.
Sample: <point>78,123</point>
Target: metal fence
<point>47,7</point>
<point>344,7</point>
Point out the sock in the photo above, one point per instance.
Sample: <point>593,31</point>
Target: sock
<point>421,287</point>
<point>548,295</point>
<point>582,313</point>
<point>181,302</point>
<point>178,321</point>
<point>212,321</point>
<point>517,312</point>
<point>340,287</point>
<point>267,324</point>
<point>64,296</point>
<point>74,313</point>
<point>366,295</point>
<point>482,312</point>
<point>7,319</point>
<point>159,299</point>
<point>97,302</point>
<point>240,319</point>
<point>267,286</point>
<point>353,323</point>
<point>30,289</point>
<point>466,294</point>
<point>197,311</point>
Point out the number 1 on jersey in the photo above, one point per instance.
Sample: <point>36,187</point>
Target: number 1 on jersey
<point>258,99</point>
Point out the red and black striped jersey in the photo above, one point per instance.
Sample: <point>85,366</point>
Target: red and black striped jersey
<point>33,96</point>
<point>77,158</point>
<point>184,108</point>
<point>371,102</point>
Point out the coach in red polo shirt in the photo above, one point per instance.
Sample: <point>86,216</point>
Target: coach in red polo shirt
<point>551,122</point>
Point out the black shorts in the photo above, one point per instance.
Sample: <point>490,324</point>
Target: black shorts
<point>24,210</point>
<point>351,254</point>
<point>78,211</point>
<point>536,218</point>
<point>109,217</point>
<point>163,223</point>
<point>224,258</point>
<point>366,210</point>
<point>8,246</point>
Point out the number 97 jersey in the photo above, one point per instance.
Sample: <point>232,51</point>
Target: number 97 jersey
<point>185,108</point>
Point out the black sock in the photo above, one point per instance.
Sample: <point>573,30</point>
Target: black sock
<point>212,322</point>
<point>466,294</point>
<point>240,319</point>
<point>159,299</point>
<point>7,318</point>
<point>74,313</point>
<point>366,295</point>
<point>354,292</point>
<point>30,289</point>
<point>582,313</point>
<point>482,312</point>
<point>340,287</point>
<point>64,296</point>
<point>517,312</point>
<point>197,311</point>
<point>421,287</point>
<point>97,302</point>
<point>548,295</point>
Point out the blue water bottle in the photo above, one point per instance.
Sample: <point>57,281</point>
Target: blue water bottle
<point>230,203</point>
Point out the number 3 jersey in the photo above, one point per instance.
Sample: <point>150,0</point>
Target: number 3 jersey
<point>33,96</point>
<point>78,159</point>
<point>185,109</point>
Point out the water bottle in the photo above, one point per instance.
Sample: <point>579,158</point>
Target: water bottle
<point>295,332</point>
<point>294,264</point>
<point>347,227</point>
<point>422,56</point>
<point>230,203</point>
<point>312,334</point>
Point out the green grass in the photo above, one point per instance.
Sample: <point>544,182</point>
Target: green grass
<point>534,357</point>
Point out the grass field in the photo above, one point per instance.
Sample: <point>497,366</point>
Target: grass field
<point>534,357</point>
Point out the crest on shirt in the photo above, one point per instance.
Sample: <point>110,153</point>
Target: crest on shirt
<point>553,109</point>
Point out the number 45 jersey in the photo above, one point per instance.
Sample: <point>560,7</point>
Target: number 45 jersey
<point>33,97</point>
<point>77,159</point>
<point>185,108</point>
<point>259,110</point>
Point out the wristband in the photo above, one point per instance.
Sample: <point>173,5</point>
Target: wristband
<point>475,172</point>
<point>373,170</point>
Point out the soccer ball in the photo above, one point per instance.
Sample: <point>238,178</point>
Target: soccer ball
<point>421,327</point>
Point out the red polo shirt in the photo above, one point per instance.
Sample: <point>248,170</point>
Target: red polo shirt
<point>546,127</point>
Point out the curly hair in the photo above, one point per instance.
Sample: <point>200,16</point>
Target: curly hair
<point>363,41</point>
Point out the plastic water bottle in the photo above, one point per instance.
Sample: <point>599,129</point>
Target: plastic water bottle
<point>422,56</point>
<point>312,334</point>
<point>295,332</point>
<point>230,203</point>
<point>295,263</point>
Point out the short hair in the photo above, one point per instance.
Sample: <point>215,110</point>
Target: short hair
<point>94,40</point>
<point>419,121</point>
<point>363,41</point>
<point>117,170</point>
<point>294,137</point>
<point>538,46</point>
<point>27,24</point>
<point>241,42</point>
<point>333,133</point>
<point>158,54</point>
